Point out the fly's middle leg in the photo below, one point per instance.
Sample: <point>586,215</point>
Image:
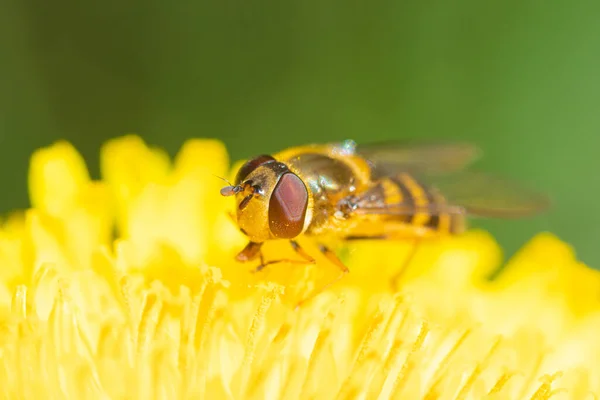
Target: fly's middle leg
<point>330,255</point>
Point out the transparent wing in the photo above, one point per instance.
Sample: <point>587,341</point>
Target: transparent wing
<point>464,192</point>
<point>388,158</point>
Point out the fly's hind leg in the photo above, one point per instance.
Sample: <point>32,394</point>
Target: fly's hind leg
<point>307,259</point>
<point>330,255</point>
<point>397,277</point>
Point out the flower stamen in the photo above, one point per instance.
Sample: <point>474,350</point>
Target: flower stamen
<point>409,363</point>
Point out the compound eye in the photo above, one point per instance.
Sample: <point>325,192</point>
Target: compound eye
<point>250,166</point>
<point>287,206</point>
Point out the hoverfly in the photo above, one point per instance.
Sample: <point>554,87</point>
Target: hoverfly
<point>374,191</point>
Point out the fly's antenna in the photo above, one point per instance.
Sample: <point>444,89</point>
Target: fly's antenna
<point>223,179</point>
<point>231,189</point>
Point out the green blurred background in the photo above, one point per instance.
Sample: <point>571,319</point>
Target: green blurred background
<point>520,78</point>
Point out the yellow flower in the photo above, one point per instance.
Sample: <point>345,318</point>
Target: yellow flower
<point>127,288</point>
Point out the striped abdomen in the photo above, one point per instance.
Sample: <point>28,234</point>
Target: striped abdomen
<point>420,206</point>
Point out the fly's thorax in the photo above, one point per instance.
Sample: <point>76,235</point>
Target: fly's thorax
<point>329,179</point>
<point>325,174</point>
<point>277,206</point>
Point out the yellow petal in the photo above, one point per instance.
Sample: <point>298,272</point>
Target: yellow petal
<point>203,156</point>
<point>56,176</point>
<point>127,164</point>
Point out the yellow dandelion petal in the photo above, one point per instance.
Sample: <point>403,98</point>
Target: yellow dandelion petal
<point>160,309</point>
<point>56,176</point>
<point>129,166</point>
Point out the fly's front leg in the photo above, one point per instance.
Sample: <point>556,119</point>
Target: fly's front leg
<point>250,252</point>
<point>299,250</point>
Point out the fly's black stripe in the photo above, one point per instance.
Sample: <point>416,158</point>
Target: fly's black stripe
<point>407,197</point>
<point>434,218</point>
<point>433,221</point>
